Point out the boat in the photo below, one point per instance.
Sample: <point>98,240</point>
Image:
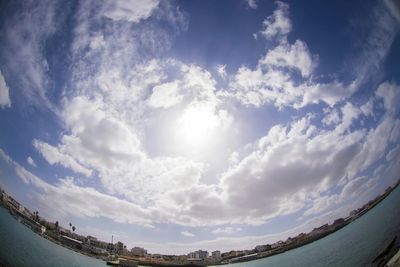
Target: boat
<point>123,263</point>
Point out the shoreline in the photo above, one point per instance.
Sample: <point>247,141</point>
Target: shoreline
<point>226,260</point>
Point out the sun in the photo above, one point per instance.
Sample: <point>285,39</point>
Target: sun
<point>197,125</point>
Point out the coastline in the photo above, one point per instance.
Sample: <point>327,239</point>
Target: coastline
<point>19,216</point>
<point>367,207</point>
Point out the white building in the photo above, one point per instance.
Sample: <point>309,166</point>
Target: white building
<point>199,254</point>
<point>278,244</point>
<point>119,246</point>
<point>138,251</point>
<point>216,254</point>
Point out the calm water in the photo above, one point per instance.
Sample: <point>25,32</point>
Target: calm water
<point>20,247</point>
<point>353,245</point>
<point>357,244</point>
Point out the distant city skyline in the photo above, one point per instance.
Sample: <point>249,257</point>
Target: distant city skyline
<point>186,125</point>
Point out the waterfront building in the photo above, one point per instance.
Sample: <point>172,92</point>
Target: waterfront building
<point>93,241</point>
<point>94,250</point>
<point>138,251</point>
<point>216,254</point>
<point>199,254</point>
<point>261,248</point>
<point>320,230</point>
<point>278,244</point>
<point>289,240</point>
<point>71,242</point>
<point>111,248</point>
<point>301,237</point>
<point>338,221</point>
<point>119,248</point>
<point>14,204</point>
<point>156,256</point>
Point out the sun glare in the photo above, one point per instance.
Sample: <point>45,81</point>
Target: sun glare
<point>196,126</point>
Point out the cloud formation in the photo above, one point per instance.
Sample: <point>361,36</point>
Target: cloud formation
<point>279,24</point>
<point>187,234</point>
<point>153,139</point>
<point>31,162</point>
<point>280,169</point>
<point>4,93</point>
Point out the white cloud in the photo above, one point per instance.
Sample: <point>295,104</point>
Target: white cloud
<point>394,8</point>
<point>96,137</point>
<point>279,24</point>
<point>252,4</point>
<point>226,230</point>
<point>375,145</point>
<point>356,190</point>
<point>305,160</point>
<point>96,42</point>
<point>394,153</point>
<point>332,118</point>
<point>68,199</point>
<point>165,95</point>
<point>264,85</point>
<point>377,44</point>
<point>31,161</point>
<point>274,81</point>
<point>368,108</point>
<point>25,33</point>
<point>330,93</point>
<point>390,93</point>
<point>129,10</point>
<point>105,119</point>
<point>53,155</point>
<point>4,93</point>
<point>226,243</point>
<point>349,114</point>
<point>295,56</point>
<point>234,158</point>
<point>221,69</point>
<point>187,234</point>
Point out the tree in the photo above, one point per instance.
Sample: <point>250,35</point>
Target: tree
<point>36,213</point>
<point>56,225</point>
<point>73,228</point>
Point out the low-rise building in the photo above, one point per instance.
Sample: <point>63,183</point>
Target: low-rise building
<point>138,251</point>
<point>216,254</point>
<point>199,254</point>
<point>301,236</point>
<point>71,242</point>
<point>13,203</point>
<point>93,241</point>
<point>261,248</point>
<point>338,221</point>
<point>320,230</point>
<point>119,248</point>
<point>278,244</point>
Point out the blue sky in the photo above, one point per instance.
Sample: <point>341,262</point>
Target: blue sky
<point>179,125</point>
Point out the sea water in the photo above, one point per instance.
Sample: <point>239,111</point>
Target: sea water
<point>354,245</point>
<point>20,247</point>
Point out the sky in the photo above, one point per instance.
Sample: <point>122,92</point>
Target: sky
<point>185,125</point>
